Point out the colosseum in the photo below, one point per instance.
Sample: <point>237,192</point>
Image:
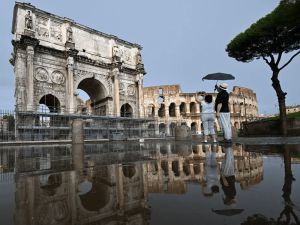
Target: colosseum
<point>172,107</point>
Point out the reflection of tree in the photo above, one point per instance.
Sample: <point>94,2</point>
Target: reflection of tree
<point>288,212</point>
<point>258,219</point>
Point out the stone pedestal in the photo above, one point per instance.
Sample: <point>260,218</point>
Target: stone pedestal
<point>183,133</point>
<point>70,45</point>
<point>28,32</point>
<point>77,131</point>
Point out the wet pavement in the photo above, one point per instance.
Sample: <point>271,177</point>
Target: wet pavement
<point>157,182</point>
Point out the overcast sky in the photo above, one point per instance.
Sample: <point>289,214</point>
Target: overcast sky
<point>182,41</point>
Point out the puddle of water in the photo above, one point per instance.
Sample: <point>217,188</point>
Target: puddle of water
<point>150,183</point>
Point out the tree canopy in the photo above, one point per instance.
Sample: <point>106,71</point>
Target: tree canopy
<point>276,33</point>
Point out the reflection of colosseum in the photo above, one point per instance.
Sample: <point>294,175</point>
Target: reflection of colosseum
<point>172,107</point>
<point>176,163</point>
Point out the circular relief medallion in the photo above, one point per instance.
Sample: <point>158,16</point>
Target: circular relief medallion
<point>41,74</point>
<point>131,90</point>
<point>57,77</point>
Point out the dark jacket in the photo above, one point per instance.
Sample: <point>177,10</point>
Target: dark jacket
<point>222,97</point>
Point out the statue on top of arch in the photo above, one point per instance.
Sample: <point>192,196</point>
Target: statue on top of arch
<point>28,21</point>
<point>69,34</point>
<point>116,54</point>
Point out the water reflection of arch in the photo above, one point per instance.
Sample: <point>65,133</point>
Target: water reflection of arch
<point>194,127</point>
<point>128,170</point>
<point>151,129</point>
<point>164,149</point>
<point>98,197</point>
<point>49,183</point>
<point>162,128</point>
<point>183,149</point>
<point>172,129</point>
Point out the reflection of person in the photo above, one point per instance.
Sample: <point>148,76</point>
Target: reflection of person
<point>223,112</point>
<point>211,178</point>
<point>227,179</point>
<point>28,20</point>
<point>207,116</point>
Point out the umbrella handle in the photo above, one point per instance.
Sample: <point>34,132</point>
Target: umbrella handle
<point>216,86</point>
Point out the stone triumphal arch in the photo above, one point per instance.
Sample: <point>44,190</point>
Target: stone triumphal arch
<point>54,57</point>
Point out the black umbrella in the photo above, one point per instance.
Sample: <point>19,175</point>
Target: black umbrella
<point>228,212</point>
<point>218,76</point>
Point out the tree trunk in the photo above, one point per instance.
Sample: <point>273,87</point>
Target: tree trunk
<point>281,101</point>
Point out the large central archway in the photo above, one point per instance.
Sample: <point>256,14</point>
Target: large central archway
<point>97,104</point>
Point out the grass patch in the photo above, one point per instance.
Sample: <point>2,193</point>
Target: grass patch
<point>295,115</point>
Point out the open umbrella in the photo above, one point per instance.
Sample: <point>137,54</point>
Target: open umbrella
<point>228,212</point>
<point>218,76</point>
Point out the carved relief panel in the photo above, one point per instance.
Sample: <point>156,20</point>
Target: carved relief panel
<point>55,31</point>
<point>128,92</point>
<point>55,77</point>
<point>121,54</point>
<point>42,26</point>
<point>41,75</point>
<point>131,90</point>
<point>122,89</point>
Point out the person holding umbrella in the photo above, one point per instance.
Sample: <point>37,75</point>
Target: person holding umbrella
<point>222,111</point>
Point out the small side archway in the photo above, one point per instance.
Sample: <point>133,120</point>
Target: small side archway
<point>126,110</point>
<point>49,103</point>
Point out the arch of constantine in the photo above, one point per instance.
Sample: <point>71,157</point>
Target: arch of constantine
<point>54,57</point>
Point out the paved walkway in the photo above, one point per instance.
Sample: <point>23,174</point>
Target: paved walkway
<point>239,140</point>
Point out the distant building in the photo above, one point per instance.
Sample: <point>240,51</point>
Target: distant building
<point>173,107</point>
<point>292,109</point>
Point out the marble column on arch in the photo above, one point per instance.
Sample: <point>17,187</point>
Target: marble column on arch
<point>140,95</point>
<point>29,77</point>
<point>70,101</point>
<point>115,77</point>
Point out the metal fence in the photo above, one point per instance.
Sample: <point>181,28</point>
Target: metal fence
<point>38,126</point>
